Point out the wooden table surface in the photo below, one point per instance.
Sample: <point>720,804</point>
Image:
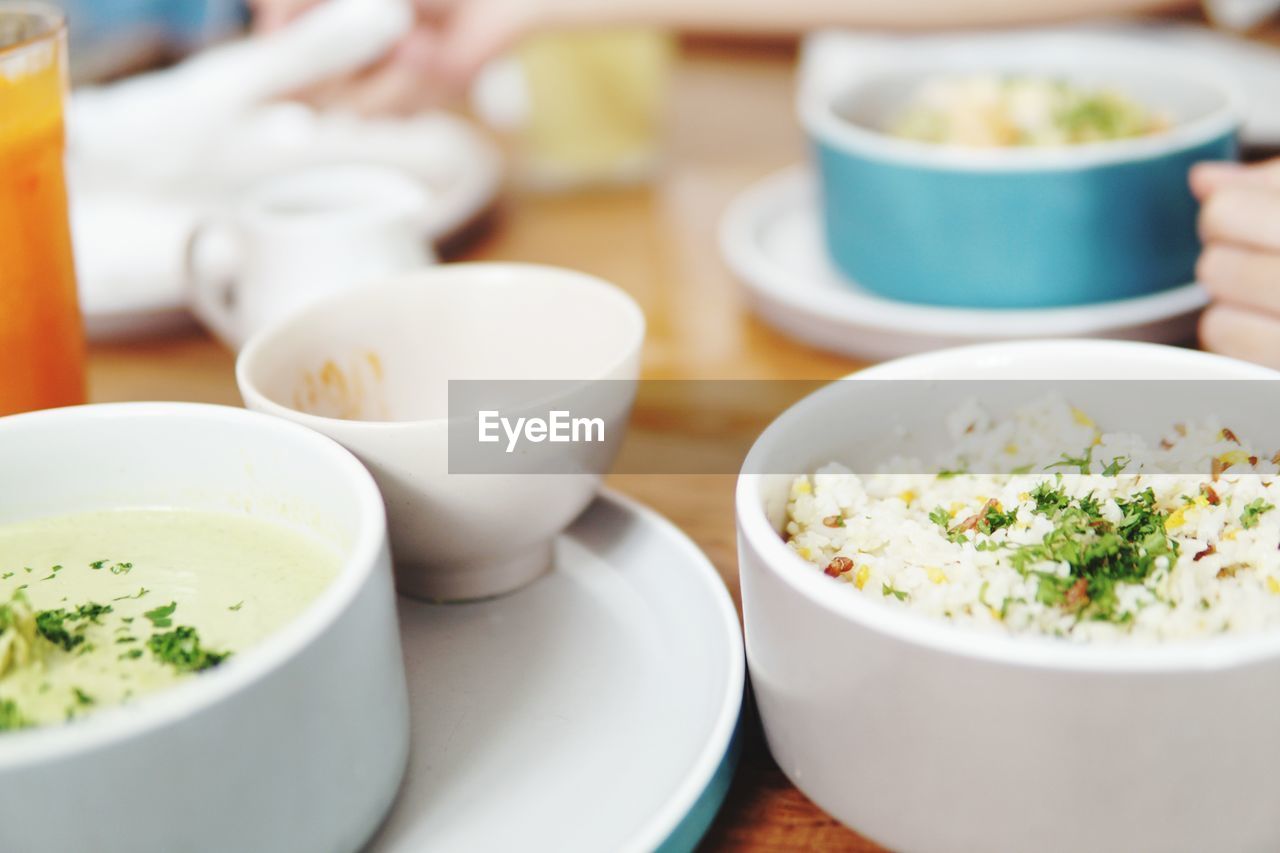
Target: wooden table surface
<point>731,124</point>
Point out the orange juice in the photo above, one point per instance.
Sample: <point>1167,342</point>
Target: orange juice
<point>41,336</point>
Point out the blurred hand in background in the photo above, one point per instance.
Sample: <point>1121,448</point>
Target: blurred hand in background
<point>454,39</point>
<point>436,61</point>
<point>1240,264</point>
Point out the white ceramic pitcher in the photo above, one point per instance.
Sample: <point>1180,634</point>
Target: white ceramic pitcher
<point>299,238</point>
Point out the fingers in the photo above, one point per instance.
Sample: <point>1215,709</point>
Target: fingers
<point>402,86</point>
<point>1240,264</point>
<point>437,9</point>
<point>451,43</point>
<point>417,52</point>
<point>384,91</point>
<point>476,33</point>
<point>272,14</point>
<point>1206,178</point>
<point>1242,277</point>
<point>397,85</point>
<point>1242,215</point>
<point>1241,333</point>
<point>396,91</point>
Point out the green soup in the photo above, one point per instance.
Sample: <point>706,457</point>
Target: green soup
<point>97,609</point>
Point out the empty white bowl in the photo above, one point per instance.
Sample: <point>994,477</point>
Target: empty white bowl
<point>371,369</point>
<point>926,736</point>
<point>295,744</point>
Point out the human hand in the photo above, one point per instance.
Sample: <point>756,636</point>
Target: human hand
<point>1240,263</point>
<point>449,43</point>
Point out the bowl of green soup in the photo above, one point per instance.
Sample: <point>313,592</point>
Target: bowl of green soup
<point>198,638</point>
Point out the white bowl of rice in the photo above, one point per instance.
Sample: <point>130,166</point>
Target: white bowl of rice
<point>988,650</point>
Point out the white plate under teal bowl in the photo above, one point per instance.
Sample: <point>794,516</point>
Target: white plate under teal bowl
<point>771,238</point>
<point>596,709</point>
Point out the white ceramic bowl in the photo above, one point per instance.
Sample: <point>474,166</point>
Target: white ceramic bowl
<point>295,744</point>
<point>928,737</point>
<point>371,369</point>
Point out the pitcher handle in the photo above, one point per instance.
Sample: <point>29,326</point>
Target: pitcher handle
<point>213,299</point>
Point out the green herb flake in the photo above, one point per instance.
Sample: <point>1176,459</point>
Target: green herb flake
<point>159,616</point>
<point>887,590</point>
<point>1049,500</point>
<point>52,625</point>
<point>994,518</point>
<point>1082,462</point>
<point>11,717</point>
<point>82,697</point>
<point>131,654</point>
<point>1115,466</point>
<point>1253,511</point>
<point>236,607</point>
<point>181,649</point>
<point>92,612</point>
<point>141,592</point>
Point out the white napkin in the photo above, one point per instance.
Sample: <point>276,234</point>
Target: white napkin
<point>130,237</point>
<point>833,58</point>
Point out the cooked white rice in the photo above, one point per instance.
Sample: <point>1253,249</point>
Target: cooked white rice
<point>917,541</point>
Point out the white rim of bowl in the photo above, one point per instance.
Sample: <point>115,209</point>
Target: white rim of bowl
<point>1210,653</point>
<point>246,365</point>
<point>817,113</point>
<point>260,660</point>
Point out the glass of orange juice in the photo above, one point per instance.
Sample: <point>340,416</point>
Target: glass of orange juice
<point>41,335</point>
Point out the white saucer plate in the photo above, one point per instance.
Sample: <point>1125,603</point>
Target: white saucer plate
<point>597,709</point>
<point>131,287</point>
<point>771,237</point>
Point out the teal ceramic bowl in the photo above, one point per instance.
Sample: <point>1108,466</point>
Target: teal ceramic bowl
<point>1017,228</point>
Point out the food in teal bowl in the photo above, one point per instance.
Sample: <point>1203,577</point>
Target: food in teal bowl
<point>1018,184</point>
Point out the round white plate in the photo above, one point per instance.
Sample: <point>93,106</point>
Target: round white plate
<point>771,238</point>
<point>133,287</point>
<point>596,709</point>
